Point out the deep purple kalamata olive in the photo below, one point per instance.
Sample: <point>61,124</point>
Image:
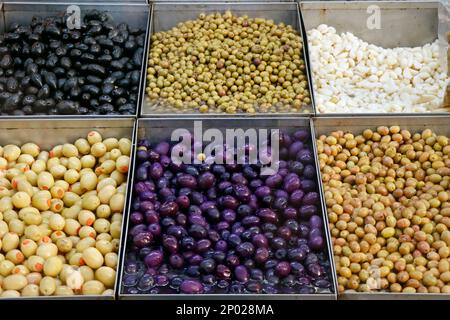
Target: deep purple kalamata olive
<point>191,287</point>
<point>296,167</point>
<point>294,148</point>
<point>195,260</point>
<point>228,202</point>
<point>296,254</point>
<point>187,181</point>
<point>197,231</point>
<point>222,226</point>
<point>170,243</point>
<point>232,260</point>
<point>284,232</point>
<point>305,156</point>
<point>303,230</point>
<point>311,198</point>
<point>316,243</point>
<point>154,258</point>
<point>280,203</point>
<point>207,265</point>
<point>244,210</point>
<point>177,231</point>
<point>165,162</point>
<point>176,261</point>
<point>194,210</point>
<point>296,198</point>
<point>260,241</point>
<point>315,232</point>
<point>147,196</point>
<point>155,229</point>
<point>309,172</point>
<point>254,286</point>
<point>137,229</point>
<point>292,184</point>
<point>141,173</point>
<point>156,170</point>
<point>168,209</point>
<point>274,181</point>
<point>241,273</point>
<point>267,215</point>
<point>262,192</point>
<point>143,239</point>
<point>308,185</point>
<point>197,198</point>
<point>283,268</point>
<point>316,222</point>
<point>261,255</point>
<point>315,270</point>
<point>278,243</point>
<point>301,135</point>
<point>203,245</point>
<point>151,216</point>
<point>242,192</point>
<point>245,249</point>
<point>238,178</point>
<point>307,211</point>
<point>205,206</point>
<point>297,268</point>
<point>183,202</point>
<point>206,180</point>
<point>221,245</point>
<point>229,215</point>
<point>136,218</point>
<point>290,213</point>
<point>197,219</point>
<point>223,272</point>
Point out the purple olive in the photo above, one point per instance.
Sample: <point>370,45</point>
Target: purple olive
<point>296,198</point>
<point>203,245</point>
<point>260,241</point>
<point>283,268</point>
<point>267,215</point>
<point>294,148</point>
<point>141,173</point>
<point>307,211</point>
<point>170,243</point>
<point>229,215</point>
<point>290,213</point>
<point>162,148</point>
<point>136,218</point>
<point>261,255</point>
<point>176,261</point>
<point>308,185</point>
<point>228,202</point>
<point>301,135</point>
<point>154,258</point>
<point>292,184</point>
<point>156,170</point>
<point>191,287</point>
<point>137,229</point>
<point>223,272</point>
<point>232,260</point>
<point>187,181</point>
<point>316,243</point>
<point>245,249</point>
<point>242,192</point>
<point>168,209</point>
<point>316,222</point>
<point>305,156</point>
<point>274,181</point>
<point>155,229</point>
<point>263,191</point>
<point>143,239</point>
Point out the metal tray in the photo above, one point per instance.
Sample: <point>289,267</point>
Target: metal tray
<point>50,132</point>
<point>157,130</point>
<point>398,18</point>
<point>326,125</point>
<point>164,16</point>
<point>136,14</point>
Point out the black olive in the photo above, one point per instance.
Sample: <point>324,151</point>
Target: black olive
<point>118,40</point>
<point>118,75</point>
<point>83,110</point>
<point>44,92</point>
<point>120,101</point>
<point>40,106</point>
<point>95,48</point>
<point>35,21</point>
<point>52,30</point>
<point>93,79</point>
<point>65,62</point>
<point>25,82</point>
<point>124,82</point>
<point>27,110</point>
<point>127,108</point>
<point>31,90</point>
<point>108,43</point>
<point>82,46</point>
<point>140,40</point>
<point>96,69</point>
<point>116,64</point>
<point>75,35</point>
<point>137,57</point>
<point>85,96</point>
<point>105,99</point>
<point>108,26</point>
<point>61,51</point>
<point>87,57</point>
<point>104,59</point>
<point>75,52</point>
<point>92,89</point>
<point>6,61</point>
<point>118,92</point>
<point>40,62</point>
<point>36,79</point>
<point>52,61</point>
<point>116,52</point>
<point>89,41</point>
<point>54,44</point>
<point>67,107</point>
<point>58,96</point>
<point>77,64</point>
<point>130,45</point>
<point>109,80</point>
<point>69,84</point>
<point>50,79</point>
<point>12,102</point>
<point>37,49</point>
<point>25,50</point>
<point>11,37</point>
<point>59,72</point>
<point>71,73</point>
<point>93,103</point>
<point>4,96</point>
<point>31,68</point>
<point>3,50</point>
<point>75,92</point>
<point>29,100</point>
<point>12,85</point>
<point>18,61</point>
<point>9,72</point>
<point>107,88</point>
<point>106,108</point>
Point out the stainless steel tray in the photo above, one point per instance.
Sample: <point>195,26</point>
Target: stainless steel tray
<point>50,132</point>
<point>136,14</point>
<point>157,130</point>
<point>326,125</point>
<point>164,16</point>
<point>403,24</point>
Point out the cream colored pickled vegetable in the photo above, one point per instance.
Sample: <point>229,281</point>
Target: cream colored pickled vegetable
<point>387,192</point>
<point>61,215</point>
<point>228,64</point>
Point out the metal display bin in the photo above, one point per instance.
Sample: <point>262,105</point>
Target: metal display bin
<point>165,16</point>
<point>356,125</point>
<point>157,130</point>
<point>398,18</point>
<point>135,14</point>
<point>50,132</point>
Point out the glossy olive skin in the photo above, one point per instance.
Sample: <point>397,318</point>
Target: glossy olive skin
<point>48,69</point>
<point>227,228</point>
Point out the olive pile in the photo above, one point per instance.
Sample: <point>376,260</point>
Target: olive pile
<point>387,193</point>
<point>46,68</point>
<point>227,64</point>
<point>61,216</point>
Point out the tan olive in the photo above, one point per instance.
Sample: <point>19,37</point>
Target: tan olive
<point>93,287</point>
<point>106,275</point>
<point>47,286</point>
<point>63,291</point>
<point>14,282</point>
<point>104,246</point>
<point>93,258</point>
<point>111,259</point>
